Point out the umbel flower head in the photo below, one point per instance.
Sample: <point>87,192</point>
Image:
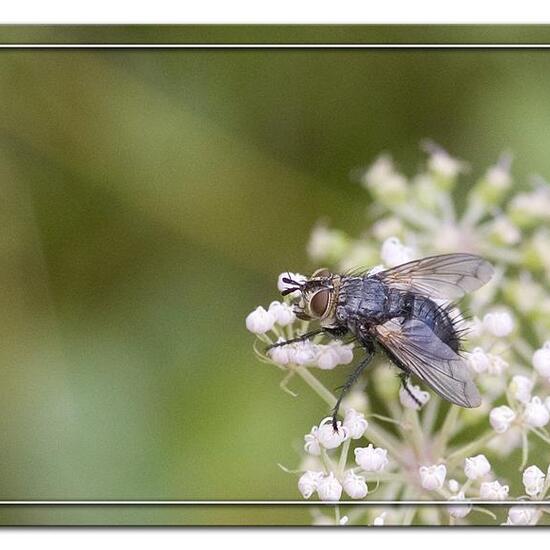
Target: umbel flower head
<point>392,444</point>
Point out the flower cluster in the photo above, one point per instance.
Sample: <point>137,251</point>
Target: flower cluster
<point>411,448</point>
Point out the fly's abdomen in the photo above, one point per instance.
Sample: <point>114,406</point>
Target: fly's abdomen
<point>438,318</point>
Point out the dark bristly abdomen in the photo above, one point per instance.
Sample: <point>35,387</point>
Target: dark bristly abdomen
<point>438,318</point>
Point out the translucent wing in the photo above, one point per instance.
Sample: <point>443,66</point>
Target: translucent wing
<point>418,350</point>
<point>446,277</point>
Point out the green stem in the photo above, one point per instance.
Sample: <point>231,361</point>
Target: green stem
<point>446,431</point>
<point>471,448</point>
<point>343,457</point>
<point>316,386</point>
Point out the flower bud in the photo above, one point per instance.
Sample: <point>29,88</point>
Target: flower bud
<point>282,355</point>
<point>522,515</point>
<point>520,387</point>
<point>308,482</point>
<point>541,360</point>
<point>479,360</point>
<point>493,490</point>
<point>329,488</point>
<point>327,245</point>
<point>407,401</point>
<point>432,477</point>
<point>311,443</point>
<point>304,353</point>
<point>501,418</point>
<point>454,486</point>
<point>533,481</point>
<point>476,467</point>
<point>394,253</point>
<point>499,323</point>
<point>260,321</point>
<point>385,183</point>
<point>535,413</point>
<point>330,438</point>
<point>282,313</point>
<point>371,459</point>
<point>327,358</point>
<point>355,423</point>
<point>459,510</point>
<point>355,485</point>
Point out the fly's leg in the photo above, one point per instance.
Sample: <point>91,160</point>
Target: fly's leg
<point>349,384</point>
<point>405,377</point>
<point>301,338</point>
<point>333,331</point>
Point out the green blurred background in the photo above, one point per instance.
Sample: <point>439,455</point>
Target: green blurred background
<point>150,198</point>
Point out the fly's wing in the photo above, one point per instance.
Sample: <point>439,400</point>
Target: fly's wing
<point>421,352</point>
<point>446,277</point>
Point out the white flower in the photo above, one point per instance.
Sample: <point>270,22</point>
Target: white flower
<point>292,276</point>
<point>384,182</point>
<point>371,459</point>
<point>547,403</point>
<point>541,360</point>
<point>535,413</point>
<point>498,176</point>
<point>476,467</point>
<point>311,443</point>
<point>303,353</point>
<point>308,482</point>
<point>459,510</point>
<point>453,485</point>
<point>333,354</point>
<point>520,388</point>
<point>521,515</point>
<point>533,480</point>
<point>442,163</point>
<point>432,477</point>
<point>329,488</point>
<point>330,438</point>
<point>260,321</point>
<point>345,352</point>
<point>497,365</point>
<point>379,520</point>
<point>408,402</point>
<point>344,520</point>
<point>282,312</point>
<point>355,423</point>
<point>326,244</point>
<point>499,323</point>
<point>479,360</point>
<point>282,355</point>
<point>327,357</point>
<point>355,485</point>
<point>505,231</point>
<point>501,418</point>
<point>493,490</point>
<point>394,253</point>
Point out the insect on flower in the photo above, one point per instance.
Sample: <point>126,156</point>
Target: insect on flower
<point>395,311</point>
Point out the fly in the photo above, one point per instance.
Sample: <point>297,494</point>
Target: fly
<point>395,311</point>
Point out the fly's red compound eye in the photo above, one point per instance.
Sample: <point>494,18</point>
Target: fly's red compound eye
<point>319,302</point>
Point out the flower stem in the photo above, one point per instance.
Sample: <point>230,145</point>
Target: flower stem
<point>446,431</point>
<point>472,447</point>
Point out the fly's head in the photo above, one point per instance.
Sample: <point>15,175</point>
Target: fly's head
<point>318,296</point>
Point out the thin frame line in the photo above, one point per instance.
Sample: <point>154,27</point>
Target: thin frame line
<point>465,502</point>
<point>278,46</point>
<point>271,502</point>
